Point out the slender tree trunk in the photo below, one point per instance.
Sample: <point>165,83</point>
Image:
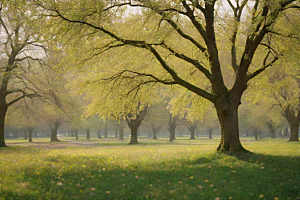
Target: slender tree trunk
<point>210,131</point>
<point>172,127</point>
<point>88,134</point>
<point>121,132</point>
<point>228,118</point>
<point>197,133</point>
<point>105,131</point>
<point>255,132</point>
<point>76,134</point>
<point>30,131</point>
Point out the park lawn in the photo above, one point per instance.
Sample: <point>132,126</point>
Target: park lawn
<point>185,169</point>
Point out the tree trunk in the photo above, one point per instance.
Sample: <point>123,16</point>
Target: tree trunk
<point>192,131</point>
<point>76,134</point>
<point>54,125</point>
<point>293,118</point>
<point>88,134</point>
<point>54,135</point>
<point>172,133</point>
<point>228,118</point>
<point>30,131</point>
<point>210,131</point>
<point>105,131</point>
<point>172,127</point>
<point>255,133</point>
<point>154,134</point>
<point>116,132</point>
<point>134,133</point>
<point>121,132</point>
<point>294,136</point>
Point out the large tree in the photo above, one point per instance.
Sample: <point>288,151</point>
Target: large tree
<point>182,36</point>
<point>21,50</point>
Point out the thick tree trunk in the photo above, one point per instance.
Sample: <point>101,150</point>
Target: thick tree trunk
<point>54,125</point>
<point>2,122</point>
<point>294,136</point>
<point>134,133</point>
<point>88,134</point>
<point>192,131</point>
<point>230,140</point>
<point>172,133</point>
<point>293,118</point>
<point>30,131</point>
<point>154,134</point>
<point>76,134</point>
<point>54,135</point>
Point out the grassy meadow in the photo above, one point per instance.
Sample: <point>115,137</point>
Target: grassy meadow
<point>184,169</point>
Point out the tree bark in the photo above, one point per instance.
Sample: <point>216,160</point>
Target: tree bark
<point>172,127</point>
<point>76,134</point>
<point>192,126</point>
<point>155,130</point>
<point>134,134</point>
<point>210,131</point>
<point>88,134</point>
<point>135,122</point>
<point>54,128</point>
<point>294,136</point>
<point>30,131</point>
<point>293,118</point>
<point>228,117</point>
<point>105,131</point>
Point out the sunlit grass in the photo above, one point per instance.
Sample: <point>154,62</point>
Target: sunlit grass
<point>111,169</point>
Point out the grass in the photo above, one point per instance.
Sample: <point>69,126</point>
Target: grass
<point>185,169</point>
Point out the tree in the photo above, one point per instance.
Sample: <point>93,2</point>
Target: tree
<point>20,48</point>
<point>134,121</point>
<point>183,22</point>
<point>172,126</point>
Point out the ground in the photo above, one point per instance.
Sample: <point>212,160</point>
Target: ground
<point>185,169</point>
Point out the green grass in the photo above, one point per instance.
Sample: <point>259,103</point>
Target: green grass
<point>185,169</point>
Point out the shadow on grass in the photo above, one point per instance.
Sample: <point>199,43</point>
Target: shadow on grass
<point>251,176</point>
